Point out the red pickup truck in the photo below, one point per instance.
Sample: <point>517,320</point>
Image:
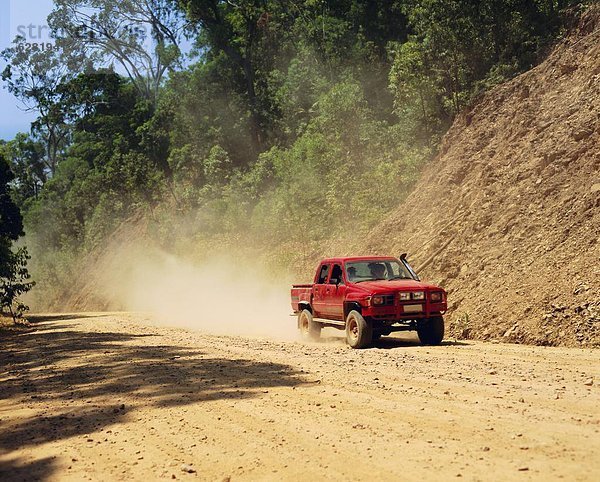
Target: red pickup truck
<point>369,297</point>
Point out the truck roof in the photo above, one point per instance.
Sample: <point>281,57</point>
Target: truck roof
<point>356,258</point>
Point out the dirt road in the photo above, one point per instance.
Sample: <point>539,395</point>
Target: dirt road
<point>108,397</point>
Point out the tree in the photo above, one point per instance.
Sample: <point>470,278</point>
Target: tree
<point>467,47</point>
<point>415,92</point>
<point>235,29</point>
<point>113,166</point>
<point>106,31</point>
<point>14,282</point>
<point>26,157</point>
<point>14,277</point>
<point>33,76</point>
<point>11,222</point>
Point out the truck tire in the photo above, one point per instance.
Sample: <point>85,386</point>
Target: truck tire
<point>309,328</point>
<point>431,330</point>
<point>359,332</point>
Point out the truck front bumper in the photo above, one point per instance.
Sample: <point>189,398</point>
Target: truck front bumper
<point>404,312</point>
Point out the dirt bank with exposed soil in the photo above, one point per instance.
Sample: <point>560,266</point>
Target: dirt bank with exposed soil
<point>510,209</point>
<point>110,397</point>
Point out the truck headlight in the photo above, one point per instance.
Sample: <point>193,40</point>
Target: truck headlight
<point>418,295</point>
<point>377,300</point>
<point>436,296</point>
<point>404,296</point>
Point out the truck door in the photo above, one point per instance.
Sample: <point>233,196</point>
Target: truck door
<point>335,293</point>
<point>319,295</point>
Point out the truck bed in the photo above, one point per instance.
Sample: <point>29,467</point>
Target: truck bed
<point>300,292</point>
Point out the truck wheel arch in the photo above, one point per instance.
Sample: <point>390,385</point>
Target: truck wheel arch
<point>351,305</point>
<point>303,305</point>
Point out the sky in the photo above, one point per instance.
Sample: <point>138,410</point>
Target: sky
<point>27,17</point>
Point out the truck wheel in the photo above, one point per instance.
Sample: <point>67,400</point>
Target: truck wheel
<point>431,330</point>
<point>359,333</point>
<point>309,328</point>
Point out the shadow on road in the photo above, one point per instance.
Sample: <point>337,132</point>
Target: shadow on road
<point>391,342</point>
<point>386,342</point>
<point>100,378</point>
<point>17,469</point>
<point>61,317</point>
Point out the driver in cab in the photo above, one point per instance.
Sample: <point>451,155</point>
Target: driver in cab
<point>377,271</point>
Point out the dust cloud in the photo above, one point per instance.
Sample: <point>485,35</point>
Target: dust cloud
<point>223,296</point>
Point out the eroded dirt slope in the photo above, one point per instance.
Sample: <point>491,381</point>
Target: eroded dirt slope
<point>111,397</point>
<point>513,203</point>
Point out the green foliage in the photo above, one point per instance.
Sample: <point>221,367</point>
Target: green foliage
<point>14,277</point>
<point>341,175</point>
<point>115,167</point>
<point>416,96</point>
<point>337,178</point>
<point>33,76</point>
<point>14,281</point>
<point>458,48</point>
<point>11,223</point>
<point>26,156</point>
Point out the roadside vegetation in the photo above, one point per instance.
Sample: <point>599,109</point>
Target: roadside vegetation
<point>14,276</point>
<point>282,126</point>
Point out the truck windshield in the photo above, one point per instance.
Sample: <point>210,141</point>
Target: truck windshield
<point>370,270</point>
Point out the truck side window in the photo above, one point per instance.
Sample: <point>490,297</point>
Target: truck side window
<point>336,275</point>
<point>323,274</point>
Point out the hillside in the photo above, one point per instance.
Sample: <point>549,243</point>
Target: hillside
<point>510,208</point>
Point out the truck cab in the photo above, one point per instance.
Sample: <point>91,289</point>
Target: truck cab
<point>369,297</point>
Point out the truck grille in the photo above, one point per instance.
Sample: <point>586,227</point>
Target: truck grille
<point>388,300</point>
